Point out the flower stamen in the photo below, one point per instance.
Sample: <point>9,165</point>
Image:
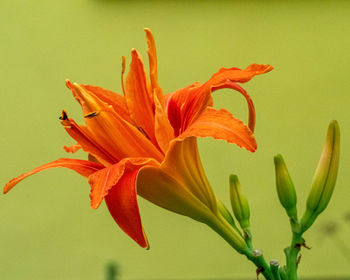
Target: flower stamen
<point>122,74</point>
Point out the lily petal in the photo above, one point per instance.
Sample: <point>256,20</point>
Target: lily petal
<point>138,97</point>
<point>83,167</point>
<point>177,102</point>
<point>111,131</point>
<point>220,124</point>
<point>102,181</point>
<point>152,57</point>
<point>180,184</point>
<point>122,204</point>
<point>117,101</point>
<point>251,109</point>
<point>162,189</point>
<point>238,75</point>
<point>164,132</point>
<point>191,103</point>
<point>86,140</point>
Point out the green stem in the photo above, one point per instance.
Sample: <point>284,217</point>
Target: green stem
<point>220,225</point>
<point>293,250</point>
<point>248,238</point>
<point>274,264</point>
<point>231,234</point>
<point>258,259</point>
<point>283,274</point>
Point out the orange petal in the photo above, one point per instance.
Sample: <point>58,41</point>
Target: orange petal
<point>102,181</point>
<point>152,56</point>
<point>117,101</point>
<point>122,204</point>
<point>251,109</point>
<point>238,75</point>
<point>164,133</point>
<point>163,130</point>
<point>220,124</point>
<point>178,103</point>
<point>182,160</point>
<point>87,140</point>
<point>117,136</point>
<point>83,167</point>
<point>180,184</point>
<point>138,97</point>
<point>190,103</point>
<point>161,189</point>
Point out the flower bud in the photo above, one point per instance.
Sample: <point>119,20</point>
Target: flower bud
<point>225,213</point>
<point>324,178</point>
<point>239,203</point>
<point>285,188</point>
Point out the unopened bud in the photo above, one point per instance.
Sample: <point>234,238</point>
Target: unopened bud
<point>285,188</point>
<point>225,213</point>
<point>324,178</point>
<point>239,203</point>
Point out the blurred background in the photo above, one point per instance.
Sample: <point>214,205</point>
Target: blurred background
<point>47,229</point>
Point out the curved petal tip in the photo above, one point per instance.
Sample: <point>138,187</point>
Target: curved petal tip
<point>260,68</point>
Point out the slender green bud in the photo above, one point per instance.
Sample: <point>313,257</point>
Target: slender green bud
<point>324,178</point>
<point>239,203</point>
<point>285,188</point>
<point>225,213</point>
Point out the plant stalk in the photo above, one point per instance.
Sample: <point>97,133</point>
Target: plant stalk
<point>258,259</point>
<point>233,237</point>
<point>292,251</point>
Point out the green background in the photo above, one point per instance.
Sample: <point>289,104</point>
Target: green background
<point>47,229</point>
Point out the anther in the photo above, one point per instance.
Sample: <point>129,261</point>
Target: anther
<point>91,115</point>
<point>64,116</point>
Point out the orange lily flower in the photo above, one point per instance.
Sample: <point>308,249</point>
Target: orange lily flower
<point>145,143</point>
